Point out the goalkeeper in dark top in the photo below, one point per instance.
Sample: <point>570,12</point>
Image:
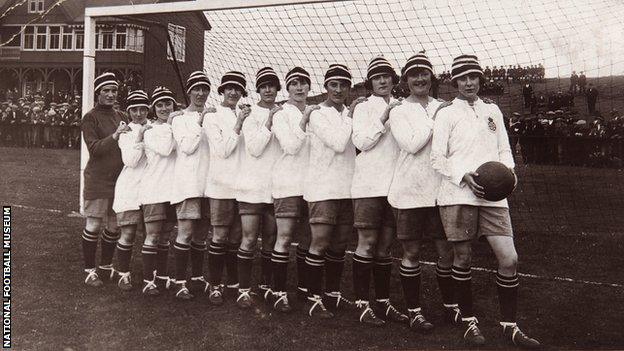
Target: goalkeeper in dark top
<point>468,132</point>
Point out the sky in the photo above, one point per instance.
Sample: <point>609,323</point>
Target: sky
<point>562,35</point>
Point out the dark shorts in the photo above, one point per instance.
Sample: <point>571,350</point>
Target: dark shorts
<point>223,212</point>
<point>98,208</point>
<point>419,223</point>
<point>335,212</point>
<point>290,207</point>
<point>246,208</point>
<point>195,208</point>
<point>464,222</point>
<point>372,213</point>
<point>159,212</point>
<point>133,217</point>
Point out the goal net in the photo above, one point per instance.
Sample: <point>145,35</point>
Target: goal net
<point>558,48</point>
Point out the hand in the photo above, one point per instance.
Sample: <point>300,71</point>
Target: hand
<point>142,130</point>
<point>308,110</point>
<point>394,104</point>
<point>472,184</point>
<point>209,109</point>
<point>357,101</point>
<point>275,109</point>
<point>245,110</point>
<point>173,115</point>
<point>122,128</point>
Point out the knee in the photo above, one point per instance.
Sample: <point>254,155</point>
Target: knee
<point>463,258</point>
<point>508,263</point>
<point>411,255</point>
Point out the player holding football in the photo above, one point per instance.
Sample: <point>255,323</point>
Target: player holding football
<point>127,204</point>
<point>155,193</point>
<point>223,128</point>
<point>189,182</point>
<point>101,128</point>
<point>414,189</point>
<point>289,127</point>
<point>328,192</point>
<point>467,133</point>
<point>373,217</point>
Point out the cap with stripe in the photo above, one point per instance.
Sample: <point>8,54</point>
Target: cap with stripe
<point>104,79</point>
<point>297,73</point>
<point>378,66</point>
<point>266,75</point>
<point>232,78</point>
<point>337,71</point>
<point>196,79</point>
<point>137,98</point>
<point>162,94</point>
<point>465,64</point>
<point>420,60</point>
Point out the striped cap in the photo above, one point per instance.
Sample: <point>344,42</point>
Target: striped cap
<point>137,98</point>
<point>377,66</point>
<point>162,93</point>
<point>232,78</point>
<point>197,78</point>
<point>106,78</point>
<point>337,72</point>
<point>465,64</point>
<point>266,75</point>
<point>420,60</point>
<point>297,72</point>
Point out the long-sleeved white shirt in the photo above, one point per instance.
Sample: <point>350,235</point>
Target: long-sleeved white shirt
<point>415,183</point>
<point>465,137</point>
<point>291,165</point>
<point>129,180</point>
<point>261,151</point>
<point>332,156</point>
<point>374,165</point>
<point>157,181</point>
<point>192,157</point>
<point>226,149</point>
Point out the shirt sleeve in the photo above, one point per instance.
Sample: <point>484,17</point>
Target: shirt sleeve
<point>367,129</point>
<point>97,146</point>
<point>440,159</point>
<point>160,140</point>
<point>504,149</point>
<point>186,135</point>
<point>411,137</point>
<point>336,137</point>
<point>256,135</point>
<point>131,151</point>
<point>222,140</point>
<point>290,137</point>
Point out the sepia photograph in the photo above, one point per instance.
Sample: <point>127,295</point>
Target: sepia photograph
<point>312,174</point>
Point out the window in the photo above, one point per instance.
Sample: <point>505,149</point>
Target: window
<point>120,38</point>
<point>67,38</point>
<point>42,33</point>
<point>178,39</point>
<point>29,38</point>
<point>55,38</point>
<point>35,6</point>
<point>79,36</point>
<point>131,39</point>
<point>140,40</point>
<point>107,39</point>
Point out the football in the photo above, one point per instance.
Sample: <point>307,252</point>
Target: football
<point>496,179</point>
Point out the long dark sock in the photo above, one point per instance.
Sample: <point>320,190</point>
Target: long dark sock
<point>181,253</point>
<point>124,255</point>
<point>150,255</point>
<point>231,263</point>
<point>198,251</point>
<point>280,270</point>
<point>161,260</point>
<point>381,271</point>
<point>267,268</point>
<point>333,270</point>
<point>314,269</point>
<point>362,268</point>
<point>301,268</point>
<point>245,263</point>
<point>410,279</point>
<point>109,242</point>
<point>216,261</point>
<point>508,296</point>
<point>445,283</point>
<point>462,279</point>
<point>89,247</point>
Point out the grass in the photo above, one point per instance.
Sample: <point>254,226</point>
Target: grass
<point>564,223</point>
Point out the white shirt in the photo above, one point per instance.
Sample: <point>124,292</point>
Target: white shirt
<point>156,185</point>
<point>332,155</point>
<point>415,183</point>
<point>374,165</point>
<point>192,157</point>
<point>261,151</point>
<point>129,180</point>
<point>226,149</point>
<point>465,137</point>
<point>291,165</point>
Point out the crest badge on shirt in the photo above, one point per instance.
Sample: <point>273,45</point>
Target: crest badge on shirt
<point>491,125</point>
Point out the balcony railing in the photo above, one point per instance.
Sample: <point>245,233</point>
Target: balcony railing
<point>10,53</point>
